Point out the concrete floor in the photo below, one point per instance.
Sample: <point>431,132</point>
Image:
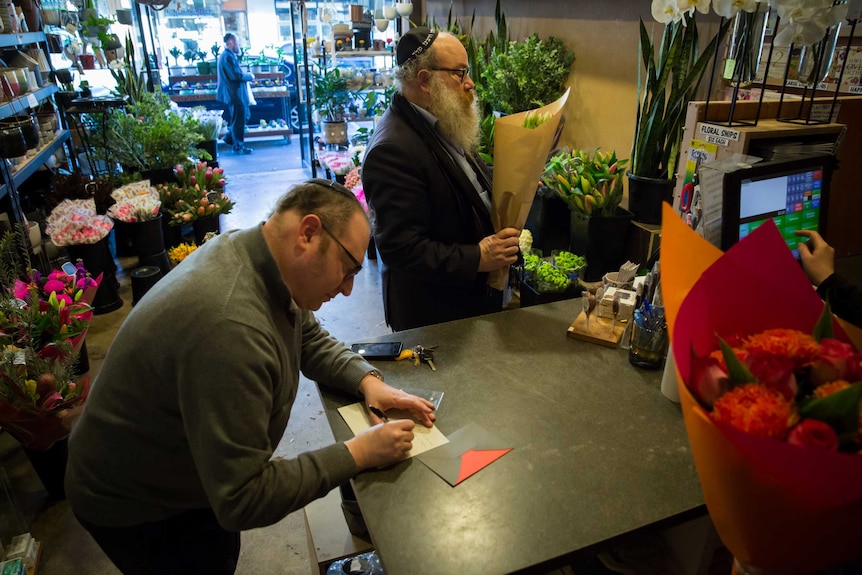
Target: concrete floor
<point>254,182</point>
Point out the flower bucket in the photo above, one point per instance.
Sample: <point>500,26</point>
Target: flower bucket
<point>146,237</point>
<point>602,241</point>
<point>205,225</point>
<point>50,466</point>
<point>98,261</point>
<point>646,196</point>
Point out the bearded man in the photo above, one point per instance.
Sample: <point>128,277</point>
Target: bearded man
<point>429,194</point>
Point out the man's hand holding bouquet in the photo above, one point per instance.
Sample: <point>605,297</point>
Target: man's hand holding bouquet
<point>770,387</point>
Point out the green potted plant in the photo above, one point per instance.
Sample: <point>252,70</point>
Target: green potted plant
<point>529,74</point>
<point>591,185</point>
<point>331,97</point>
<point>148,136</point>
<point>176,69</point>
<point>672,71</point>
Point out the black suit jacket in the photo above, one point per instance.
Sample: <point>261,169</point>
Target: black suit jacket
<point>427,226</point>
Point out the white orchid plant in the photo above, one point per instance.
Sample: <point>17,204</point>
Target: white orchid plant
<point>672,68</point>
<point>802,21</point>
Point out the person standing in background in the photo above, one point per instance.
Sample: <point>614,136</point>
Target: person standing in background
<point>233,93</point>
<point>430,194</point>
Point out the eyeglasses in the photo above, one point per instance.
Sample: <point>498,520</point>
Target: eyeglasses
<point>462,71</point>
<point>336,187</point>
<point>357,267</point>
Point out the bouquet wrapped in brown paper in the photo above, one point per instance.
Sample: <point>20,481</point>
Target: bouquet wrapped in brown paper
<point>521,145</point>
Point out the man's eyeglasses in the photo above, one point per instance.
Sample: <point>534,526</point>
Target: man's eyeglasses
<point>341,189</point>
<point>462,72</point>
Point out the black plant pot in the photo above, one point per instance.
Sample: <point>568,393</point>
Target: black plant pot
<point>601,240</point>
<point>203,226</point>
<point>12,144</point>
<point>50,466</point>
<point>173,235</point>
<point>210,146</point>
<point>64,98</point>
<point>97,259</point>
<point>147,237</point>
<point>646,196</point>
<point>550,223</point>
<point>28,126</point>
<point>123,239</point>
<point>159,176</point>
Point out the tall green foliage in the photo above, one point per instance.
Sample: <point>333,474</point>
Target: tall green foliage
<point>671,74</point>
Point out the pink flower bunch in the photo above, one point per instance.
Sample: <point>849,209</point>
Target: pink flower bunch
<point>199,193</point>
<point>75,222</point>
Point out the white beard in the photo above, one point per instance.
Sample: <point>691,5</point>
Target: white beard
<point>457,113</point>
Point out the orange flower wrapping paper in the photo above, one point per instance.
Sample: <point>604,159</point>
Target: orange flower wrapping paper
<point>775,506</point>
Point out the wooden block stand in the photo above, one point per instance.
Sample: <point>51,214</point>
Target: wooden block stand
<point>600,330</point>
<point>328,537</point>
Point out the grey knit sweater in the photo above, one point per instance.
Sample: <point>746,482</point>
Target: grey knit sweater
<point>195,394</point>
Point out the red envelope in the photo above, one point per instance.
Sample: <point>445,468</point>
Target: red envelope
<point>469,450</point>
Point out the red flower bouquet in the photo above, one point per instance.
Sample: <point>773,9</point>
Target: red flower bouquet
<point>770,397</point>
<point>43,322</point>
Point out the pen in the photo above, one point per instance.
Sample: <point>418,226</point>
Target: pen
<point>378,413</point>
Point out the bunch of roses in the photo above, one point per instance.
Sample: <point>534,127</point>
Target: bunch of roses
<point>784,384</point>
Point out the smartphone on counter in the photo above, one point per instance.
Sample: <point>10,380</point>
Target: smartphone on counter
<point>378,350</point>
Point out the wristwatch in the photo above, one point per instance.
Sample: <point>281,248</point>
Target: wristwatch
<point>376,374</point>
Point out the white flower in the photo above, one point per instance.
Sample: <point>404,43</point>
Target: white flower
<point>116,65</point>
<point>666,11</point>
<point>806,21</point>
<point>525,241</point>
<point>729,8</point>
<point>690,6</point>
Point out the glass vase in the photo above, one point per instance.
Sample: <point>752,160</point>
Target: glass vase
<point>745,46</point>
<point>815,60</point>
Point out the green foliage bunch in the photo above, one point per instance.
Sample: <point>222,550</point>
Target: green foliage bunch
<point>590,183</point>
<point>131,84</point>
<point>671,73</point>
<point>546,273</point>
<point>148,135</point>
<point>528,74</point>
<point>331,93</point>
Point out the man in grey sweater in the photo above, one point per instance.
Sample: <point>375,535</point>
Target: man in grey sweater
<point>172,456</point>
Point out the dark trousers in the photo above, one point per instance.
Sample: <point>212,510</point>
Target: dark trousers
<point>191,542</point>
<point>236,124</point>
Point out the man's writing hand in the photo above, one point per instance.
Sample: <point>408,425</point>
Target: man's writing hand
<point>382,444</point>
<point>499,250</point>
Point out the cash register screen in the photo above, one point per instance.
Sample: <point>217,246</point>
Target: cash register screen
<point>792,194</point>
